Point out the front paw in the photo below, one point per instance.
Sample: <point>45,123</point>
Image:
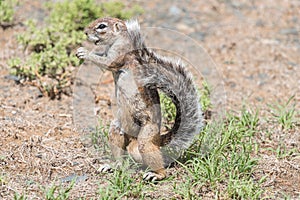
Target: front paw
<point>82,53</point>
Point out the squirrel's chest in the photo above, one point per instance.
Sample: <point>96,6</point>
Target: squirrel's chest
<point>129,96</point>
<point>129,102</point>
<point>136,105</point>
<point>126,87</point>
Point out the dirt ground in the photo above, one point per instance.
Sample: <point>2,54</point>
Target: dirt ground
<point>251,53</point>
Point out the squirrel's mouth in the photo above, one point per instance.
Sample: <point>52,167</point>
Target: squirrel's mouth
<point>94,39</point>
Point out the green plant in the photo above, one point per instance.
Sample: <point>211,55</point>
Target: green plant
<point>2,180</point>
<point>186,189</point>
<point>50,62</point>
<point>19,197</point>
<point>221,161</point>
<point>168,110</point>
<point>123,185</point>
<point>283,152</point>
<point>100,137</point>
<point>249,119</point>
<point>7,11</point>
<point>205,96</point>
<point>285,114</point>
<point>59,192</point>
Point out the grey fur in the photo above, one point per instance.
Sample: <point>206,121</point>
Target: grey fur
<point>171,77</point>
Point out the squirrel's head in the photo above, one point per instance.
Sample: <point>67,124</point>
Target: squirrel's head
<point>105,30</point>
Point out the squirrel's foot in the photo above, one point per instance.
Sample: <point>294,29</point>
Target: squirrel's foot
<point>82,53</point>
<point>105,168</point>
<point>152,176</point>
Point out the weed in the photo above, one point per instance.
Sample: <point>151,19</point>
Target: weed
<point>221,158</point>
<point>205,96</point>
<point>282,152</point>
<point>243,188</point>
<point>2,180</point>
<point>123,185</point>
<point>168,110</point>
<point>285,114</point>
<point>19,197</point>
<point>50,63</point>
<point>249,119</point>
<point>7,12</point>
<point>100,137</point>
<point>285,196</point>
<point>58,192</point>
<point>185,189</point>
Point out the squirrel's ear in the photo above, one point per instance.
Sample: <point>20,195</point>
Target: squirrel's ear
<point>118,27</point>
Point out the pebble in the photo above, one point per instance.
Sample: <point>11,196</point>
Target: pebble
<point>12,77</point>
<point>75,177</point>
<point>185,28</point>
<point>289,31</point>
<point>175,11</point>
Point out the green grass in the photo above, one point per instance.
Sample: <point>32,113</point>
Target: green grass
<point>20,197</point>
<point>100,137</point>
<point>2,179</point>
<point>58,192</point>
<point>205,92</point>
<point>54,192</point>
<point>168,109</point>
<point>281,151</point>
<point>221,161</point>
<point>123,183</point>
<point>285,113</point>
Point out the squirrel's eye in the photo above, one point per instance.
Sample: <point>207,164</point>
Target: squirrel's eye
<point>101,26</point>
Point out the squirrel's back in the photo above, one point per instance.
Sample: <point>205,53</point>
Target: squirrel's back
<point>171,77</point>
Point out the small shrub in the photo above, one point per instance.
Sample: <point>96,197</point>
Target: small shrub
<point>7,12</point>
<point>50,61</point>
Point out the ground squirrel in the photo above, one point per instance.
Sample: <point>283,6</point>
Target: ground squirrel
<point>138,74</point>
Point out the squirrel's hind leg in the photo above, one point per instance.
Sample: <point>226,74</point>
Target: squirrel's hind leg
<point>117,143</point>
<point>117,140</point>
<point>149,147</point>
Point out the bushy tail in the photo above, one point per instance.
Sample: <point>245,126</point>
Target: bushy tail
<point>176,82</point>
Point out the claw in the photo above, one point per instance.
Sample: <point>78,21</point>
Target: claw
<point>150,176</point>
<point>105,168</point>
<point>81,53</point>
